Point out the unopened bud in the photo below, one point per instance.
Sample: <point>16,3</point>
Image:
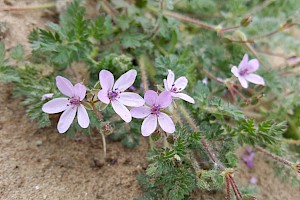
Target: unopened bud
<point>106,128</point>
<point>297,167</point>
<point>246,21</point>
<point>289,21</point>
<point>170,139</point>
<point>156,135</point>
<point>249,197</point>
<point>240,35</point>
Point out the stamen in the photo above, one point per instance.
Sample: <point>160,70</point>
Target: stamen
<point>155,109</point>
<point>74,101</point>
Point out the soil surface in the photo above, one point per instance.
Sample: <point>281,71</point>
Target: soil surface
<point>42,164</point>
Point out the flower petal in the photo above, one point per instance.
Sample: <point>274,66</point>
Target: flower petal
<point>256,79</point>
<point>149,125</point>
<point>235,71</point>
<point>131,99</point>
<point>166,85</point>
<point>64,86</point>
<point>106,79</point>
<point>80,90</point>
<point>253,65</point>
<point>55,105</point>
<point>47,96</point>
<point>66,119</point>
<point>244,62</point>
<point>121,110</point>
<point>126,80</point>
<point>83,117</point>
<point>170,78</point>
<point>140,112</point>
<point>151,97</point>
<point>166,123</point>
<point>181,83</point>
<point>243,82</point>
<point>102,96</point>
<point>164,99</point>
<point>184,97</point>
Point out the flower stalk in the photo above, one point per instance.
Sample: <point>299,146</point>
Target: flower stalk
<point>277,158</point>
<point>102,135</point>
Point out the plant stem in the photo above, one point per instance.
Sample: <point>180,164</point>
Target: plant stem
<point>294,142</point>
<point>109,9</point>
<point>52,5</point>
<point>189,20</point>
<point>235,188</point>
<point>203,140</point>
<point>227,187</point>
<point>210,75</point>
<point>145,86</point>
<point>249,46</point>
<point>275,157</point>
<point>282,28</point>
<point>259,7</point>
<point>102,135</point>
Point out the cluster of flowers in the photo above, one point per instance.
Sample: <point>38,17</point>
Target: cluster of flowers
<point>152,108</point>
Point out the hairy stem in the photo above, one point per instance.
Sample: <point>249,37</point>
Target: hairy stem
<point>109,9</point>
<point>227,187</point>
<point>203,140</point>
<point>102,135</point>
<point>145,86</point>
<point>294,142</point>
<point>249,46</point>
<point>275,157</point>
<point>235,187</point>
<point>189,20</point>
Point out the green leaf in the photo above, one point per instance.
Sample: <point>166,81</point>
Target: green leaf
<point>17,53</point>
<point>131,40</point>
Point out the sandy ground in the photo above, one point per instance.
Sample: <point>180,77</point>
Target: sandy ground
<point>41,164</point>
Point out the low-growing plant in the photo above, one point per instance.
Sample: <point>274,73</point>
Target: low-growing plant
<point>202,69</point>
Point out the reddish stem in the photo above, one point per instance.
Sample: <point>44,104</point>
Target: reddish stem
<point>277,158</point>
<point>228,187</point>
<point>235,187</point>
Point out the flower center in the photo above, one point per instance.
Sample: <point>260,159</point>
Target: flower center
<point>175,89</point>
<point>155,109</point>
<point>113,94</point>
<point>243,72</point>
<point>74,101</point>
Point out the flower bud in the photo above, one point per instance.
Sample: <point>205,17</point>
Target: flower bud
<point>249,197</point>
<point>240,35</point>
<point>156,135</point>
<point>106,128</point>
<point>297,167</point>
<point>141,3</point>
<point>246,21</point>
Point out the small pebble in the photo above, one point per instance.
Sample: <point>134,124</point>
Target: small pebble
<point>39,143</point>
<point>8,2</point>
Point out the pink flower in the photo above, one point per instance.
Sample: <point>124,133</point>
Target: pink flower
<point>245,72</point>
<point>253,180</point>
<point>248,158</point>
<point>47,96</point>
<point>153,112</point>
<point>114,93</point>
<point>176,87</point>
<point>69,105</point>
